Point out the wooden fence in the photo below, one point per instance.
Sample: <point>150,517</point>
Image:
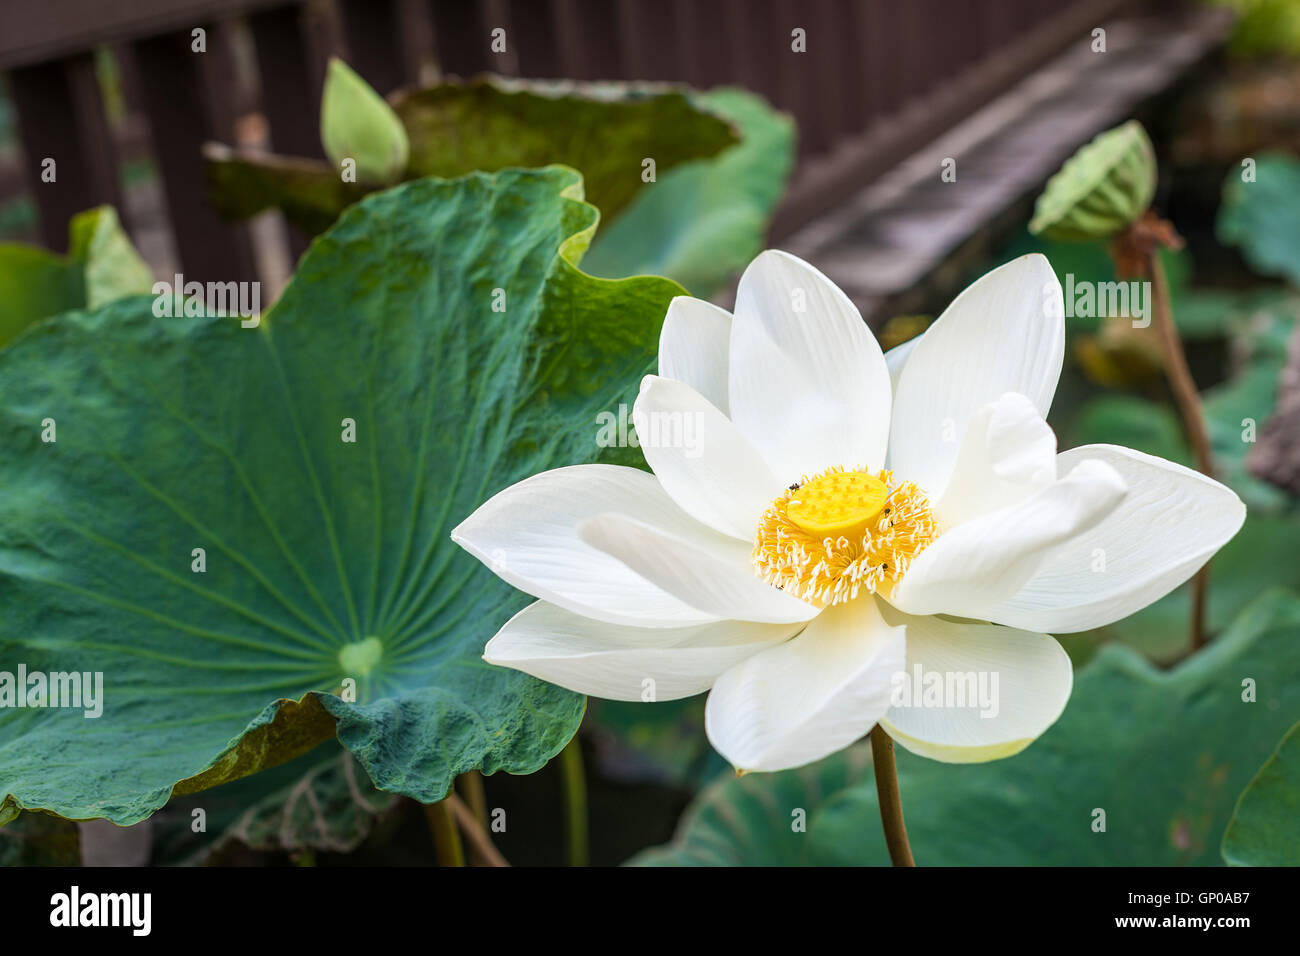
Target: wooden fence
<point>879,78</point>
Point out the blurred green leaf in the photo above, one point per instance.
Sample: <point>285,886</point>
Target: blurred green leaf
<point>101,266</point>
<point>662,742</point>
<point>604,130</point>
<point>1265,827</point>
<point>704,221</point>
<point>1263,216</point>
<point>1162,753</point>
<point>112,267</point>
<point>607,131</point>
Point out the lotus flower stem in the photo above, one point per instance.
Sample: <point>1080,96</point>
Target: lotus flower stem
<point>1188,400</point>
<point>446,837</point>
<point>575,801</point>
<point>481,847</point>
<point>891,807</point>
<point>470,786</point>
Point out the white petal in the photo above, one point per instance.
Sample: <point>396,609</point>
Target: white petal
<point>693,347</point>
<point>1001,688</point>
<point>799,701</point>
<point>714,574</point>
<point>528,535</point>
<point>615,662</point>
<point>1170,523</point>
<point>976,565</point>
<point>897,357</point>
<point>808,386</point>
<point>1008,453</point>
<point>1004,333</point>
<point>702,461</point>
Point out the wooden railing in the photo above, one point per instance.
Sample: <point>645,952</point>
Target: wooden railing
<point>879,78</point>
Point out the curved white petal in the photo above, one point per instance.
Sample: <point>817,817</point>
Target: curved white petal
<point>703,462</point>
<point>1004,333</point>
<point>809,697</point>
<point>976,565</point>
<point>713,574</point>
<point>1170,523</point>
<point>897,357</point>
<point>693,347</point>
<point>626,663</point>
<point>808,384</point>
<point>1008,453</point>
<point>528,535</point>
<point>975,692</point>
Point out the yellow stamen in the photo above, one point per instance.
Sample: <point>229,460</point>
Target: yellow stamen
<point>830,537</point>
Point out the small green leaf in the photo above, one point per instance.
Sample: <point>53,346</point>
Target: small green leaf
<point>357,125</point>
<point>1265,827</point>
<point>1163,754</point>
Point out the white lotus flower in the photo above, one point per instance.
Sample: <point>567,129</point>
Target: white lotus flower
<point>840,518</point>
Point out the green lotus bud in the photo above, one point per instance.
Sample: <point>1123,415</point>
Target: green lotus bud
<point>1101,190</point>
<point>357,125</point>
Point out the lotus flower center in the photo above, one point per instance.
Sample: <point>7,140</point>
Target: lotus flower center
<point>828,538</point>
<point>837,503</point>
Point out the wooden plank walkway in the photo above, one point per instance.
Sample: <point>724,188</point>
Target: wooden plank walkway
<point>907,240</point>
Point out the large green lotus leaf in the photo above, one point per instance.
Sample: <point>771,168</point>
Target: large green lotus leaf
<point>101,265</point>
<point>1163,753</point>
<point>605,130</point>
<point>326,560</point>
<point>1263,217</point>
<point>704,221</point>
<point>322,800</point>
<point>1265,827</point>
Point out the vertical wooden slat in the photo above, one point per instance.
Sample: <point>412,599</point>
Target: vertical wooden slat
<point>533,26</point>
<point>290,101</point>
<point>646,40</point>
<point>587,39</point>
<point>181,92</point>
<point>370,31</point>
<point>916,63</point>
<point>61,117</point>
<point>461,37</point>
<point>703,47</point>
<point>756,47</point>
<point>854,94</point>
